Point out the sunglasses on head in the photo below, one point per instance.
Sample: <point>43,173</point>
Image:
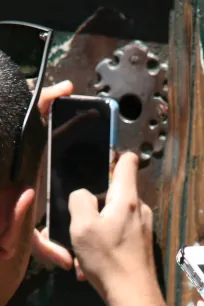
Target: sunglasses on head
<point>28,46</point>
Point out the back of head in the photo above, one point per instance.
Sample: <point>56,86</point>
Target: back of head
<point>15,98</point>
<point>16,231</point>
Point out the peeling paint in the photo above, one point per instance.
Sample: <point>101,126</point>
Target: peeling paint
<point>60,49</point>
<point>201,56</point>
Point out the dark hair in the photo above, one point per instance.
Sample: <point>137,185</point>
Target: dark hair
<point>14,101</point>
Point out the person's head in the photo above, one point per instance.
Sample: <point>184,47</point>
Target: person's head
<point>16,216</point>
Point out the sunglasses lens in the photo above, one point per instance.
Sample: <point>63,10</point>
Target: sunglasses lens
<point>25,46</point>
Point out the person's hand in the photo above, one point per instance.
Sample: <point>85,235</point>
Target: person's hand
<point>200,303</point>
<point>114,247</point>
<point>44,250</point>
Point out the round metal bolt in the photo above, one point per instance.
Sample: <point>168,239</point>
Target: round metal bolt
<point>134,59</point>
<point>146,150</point>
<point>145,156</point>
<point>162,137</point>
<point>165,88</point>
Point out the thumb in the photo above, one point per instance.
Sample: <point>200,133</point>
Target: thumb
<point>48,252</point>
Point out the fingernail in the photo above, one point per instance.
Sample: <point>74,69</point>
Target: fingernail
<point>25,194</point>
<point>64,84</point>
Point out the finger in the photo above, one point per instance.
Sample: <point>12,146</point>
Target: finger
<point>200,303</point>
<point>48,252</point>
<point>15,217</point>
<point>122,193</point>
<point>79,273</point>
<point>51,93</point>
<point>147,224</point>
<point>83,207</point>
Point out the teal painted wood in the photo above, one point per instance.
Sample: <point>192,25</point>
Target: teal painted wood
<point>59,46</point>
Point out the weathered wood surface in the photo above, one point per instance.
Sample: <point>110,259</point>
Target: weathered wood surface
<point>181,199</point>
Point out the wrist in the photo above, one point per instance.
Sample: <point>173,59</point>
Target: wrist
<point>140,288</point>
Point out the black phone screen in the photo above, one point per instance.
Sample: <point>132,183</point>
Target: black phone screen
<point>79,157</point>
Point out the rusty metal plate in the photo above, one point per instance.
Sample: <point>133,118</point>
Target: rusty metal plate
<point>138,81</point>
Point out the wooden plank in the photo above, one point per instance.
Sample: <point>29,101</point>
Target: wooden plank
<point>194,227</point>
<point>181,200</point>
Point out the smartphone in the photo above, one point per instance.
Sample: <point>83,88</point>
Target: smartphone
<point>191,261</point>
<point>82,146</point>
